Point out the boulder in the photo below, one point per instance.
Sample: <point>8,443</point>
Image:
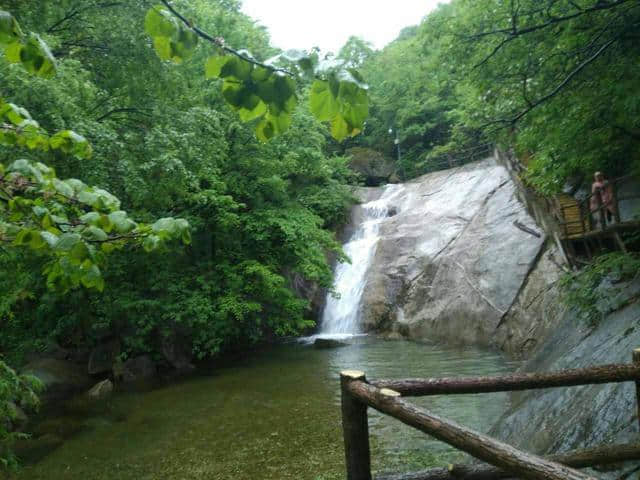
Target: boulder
<point>138,369</point>
<point>61,378</point>
<point>371,164</point>
<point>102,357</point>
<point>452,257</point>
<point>177,352</point>
<point>326,343</point>
<point>101,390</point>
<point>560,419</point>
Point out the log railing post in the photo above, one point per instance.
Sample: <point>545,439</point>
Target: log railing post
<point>355,427</point>
<point>636,361</point>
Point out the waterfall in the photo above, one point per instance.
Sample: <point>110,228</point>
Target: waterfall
<point>341,315</point>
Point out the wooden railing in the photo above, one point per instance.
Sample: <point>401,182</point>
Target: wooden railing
<point>505,461</point>
<point>595,219</point>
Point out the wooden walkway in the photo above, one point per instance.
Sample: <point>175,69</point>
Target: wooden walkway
<point>582,224</point>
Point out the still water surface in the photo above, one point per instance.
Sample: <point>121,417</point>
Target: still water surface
<point>274,416</point>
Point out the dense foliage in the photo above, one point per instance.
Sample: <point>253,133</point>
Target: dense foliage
<point>166,143</point>
<point>557,79</point>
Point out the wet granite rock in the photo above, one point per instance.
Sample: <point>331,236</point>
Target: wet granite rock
<point>451,262</point>
<point>327,343</point>
<point>101,390</point>
<point>59,377</point>
<point>561,419</point>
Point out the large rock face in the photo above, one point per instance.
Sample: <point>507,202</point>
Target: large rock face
<point>452,260</point>
<point>560,419</point>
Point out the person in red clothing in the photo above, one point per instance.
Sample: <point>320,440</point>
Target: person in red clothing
<point>606,194</point>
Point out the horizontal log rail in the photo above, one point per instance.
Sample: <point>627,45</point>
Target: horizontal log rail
<point>477,444</point>
<point>505,461</point>
<point>588,457</point>
<point>504,383</point>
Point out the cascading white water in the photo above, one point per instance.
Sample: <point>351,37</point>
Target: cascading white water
<point>341,315</point>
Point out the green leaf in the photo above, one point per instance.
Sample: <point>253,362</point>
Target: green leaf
<point>67,241</point>
<point>93,278</point>
<point>50,238</point>
<point>36,57</point>
<point>12,52</point>
<point>324,106</point>
<point>95,234</point>
<point>214,65</point>
<point>121,222</point>
<point>172,40</point>
<point>69,141</point>
<point>160,23</point>
<point>150,243</point>
<point>9,29</point>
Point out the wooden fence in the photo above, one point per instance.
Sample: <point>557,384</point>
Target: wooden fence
<point>504,460</point>
<point>578,218</point>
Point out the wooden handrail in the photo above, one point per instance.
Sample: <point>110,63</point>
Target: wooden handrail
<point>505,383</point>
<point>483,447</point>
<point>587,457</point>
<point>506,461</point>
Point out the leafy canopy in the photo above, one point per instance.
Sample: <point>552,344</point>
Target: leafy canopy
<point>265,92</point>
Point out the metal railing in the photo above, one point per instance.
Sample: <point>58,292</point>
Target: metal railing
<point>504,460</point>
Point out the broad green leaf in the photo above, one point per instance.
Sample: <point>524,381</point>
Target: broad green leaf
<point>36,57</point>
<point>96,234</point>
<point>9,29</point>
<point>50,238</point>
<point>214,65</point>
<point>340,129</point>
<point>324,106</point>
<point>12,52</point>
<point>172,40</point>
<point>121,222</point>
<point>93,278</point>
<point>160,23</point>
<point>69,141</point>
<point>67,241</point>
<point>150,243</point>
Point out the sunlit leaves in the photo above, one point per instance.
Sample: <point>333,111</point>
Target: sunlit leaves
<point>266,93</point>
<point>9,29</point>
<point>341,100</point>
<point>256,93</point>
<point>172,40</point>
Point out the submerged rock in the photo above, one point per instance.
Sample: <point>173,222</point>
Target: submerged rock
<point>325,343</point>
<point>101,390</point>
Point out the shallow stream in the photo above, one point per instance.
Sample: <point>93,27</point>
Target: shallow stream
<point>273,416</point>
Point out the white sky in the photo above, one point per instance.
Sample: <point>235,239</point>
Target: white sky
<point>304,24</point>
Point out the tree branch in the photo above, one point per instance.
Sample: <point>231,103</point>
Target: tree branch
<point>219,42</point>
<point>558,88</point>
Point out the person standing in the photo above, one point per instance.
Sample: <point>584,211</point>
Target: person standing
<point>602,185</point>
